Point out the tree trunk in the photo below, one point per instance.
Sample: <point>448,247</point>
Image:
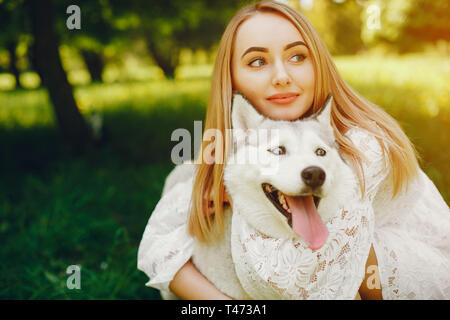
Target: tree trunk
<point>48,63</point>
<point>94,63</point>
<point>33,63</point>
<point>167,57</point>
<point>11,46</point>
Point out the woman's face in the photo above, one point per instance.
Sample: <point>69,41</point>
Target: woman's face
<point>270,57</point>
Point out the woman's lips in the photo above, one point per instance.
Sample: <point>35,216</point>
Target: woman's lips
<point>286,100</point>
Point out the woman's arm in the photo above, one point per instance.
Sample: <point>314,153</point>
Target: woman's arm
<point>190,284</point>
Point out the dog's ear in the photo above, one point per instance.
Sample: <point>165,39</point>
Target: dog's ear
<point>243,115</point>
<point>323,115</point>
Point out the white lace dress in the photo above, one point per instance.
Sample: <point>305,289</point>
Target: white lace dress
<point>410,235</point>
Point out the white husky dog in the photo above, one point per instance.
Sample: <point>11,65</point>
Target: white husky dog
<point>290,191</point>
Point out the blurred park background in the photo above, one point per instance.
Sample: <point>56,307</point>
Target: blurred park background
<point>86,117</point>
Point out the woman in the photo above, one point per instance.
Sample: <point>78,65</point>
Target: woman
<point>269,50</point>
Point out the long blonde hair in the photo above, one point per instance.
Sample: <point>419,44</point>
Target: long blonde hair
<point>349,110</point>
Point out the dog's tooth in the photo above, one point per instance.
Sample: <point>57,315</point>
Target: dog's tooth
<point>289,210</point>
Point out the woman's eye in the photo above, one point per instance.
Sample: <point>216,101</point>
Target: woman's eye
<point>278,150</point>
<point>320,152</point>
<point>301,57</point>
<point>258,59</point>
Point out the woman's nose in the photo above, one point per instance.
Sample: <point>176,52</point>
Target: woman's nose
<point>281,77</point>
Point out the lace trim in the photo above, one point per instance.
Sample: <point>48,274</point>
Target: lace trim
<point>272,268</point>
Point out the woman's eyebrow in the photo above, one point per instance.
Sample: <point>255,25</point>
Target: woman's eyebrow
<point>290,45</point>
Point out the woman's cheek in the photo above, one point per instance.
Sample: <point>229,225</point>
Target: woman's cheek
<point>303,75</point>
<point>309,71</point>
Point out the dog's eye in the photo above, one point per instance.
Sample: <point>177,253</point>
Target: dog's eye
<point>320,152</point>
<point>278,150</point>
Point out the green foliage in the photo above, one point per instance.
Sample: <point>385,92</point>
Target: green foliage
<point>12,21</point>
<point>76,212</point>
<point>407,25</point>
<point>338,24</point>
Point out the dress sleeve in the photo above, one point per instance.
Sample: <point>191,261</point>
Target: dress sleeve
<point>376,167</point>
<point>166,245</point>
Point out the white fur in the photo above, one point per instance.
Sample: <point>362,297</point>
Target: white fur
<point>301,139</point>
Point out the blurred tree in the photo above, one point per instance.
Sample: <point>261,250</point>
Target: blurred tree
<point>94,61</point>
<point>169,25</point>
<point>11,47</point>
<point>53,76</point>
<point>337,22</point>
<point>12,27</point>
<point>97,31</point>
<point>407,25</point>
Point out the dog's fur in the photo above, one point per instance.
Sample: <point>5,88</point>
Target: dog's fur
<point>243,181</point>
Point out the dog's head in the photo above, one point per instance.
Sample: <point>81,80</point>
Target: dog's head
<point>284,175</point>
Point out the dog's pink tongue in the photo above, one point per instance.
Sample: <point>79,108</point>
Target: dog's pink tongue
<point>306,221</point>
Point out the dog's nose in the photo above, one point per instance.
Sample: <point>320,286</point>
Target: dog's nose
<point>313,176</point>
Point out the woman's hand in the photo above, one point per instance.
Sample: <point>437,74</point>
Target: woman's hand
<point>190,284</point>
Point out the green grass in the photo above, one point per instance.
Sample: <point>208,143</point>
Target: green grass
<point>77,212</point>
<point>58,210</point>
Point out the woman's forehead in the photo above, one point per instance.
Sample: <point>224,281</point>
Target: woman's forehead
<point>267,30</point>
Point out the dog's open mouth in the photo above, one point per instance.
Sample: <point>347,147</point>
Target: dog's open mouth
<point>301,213</point>
<point>278,199</point>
